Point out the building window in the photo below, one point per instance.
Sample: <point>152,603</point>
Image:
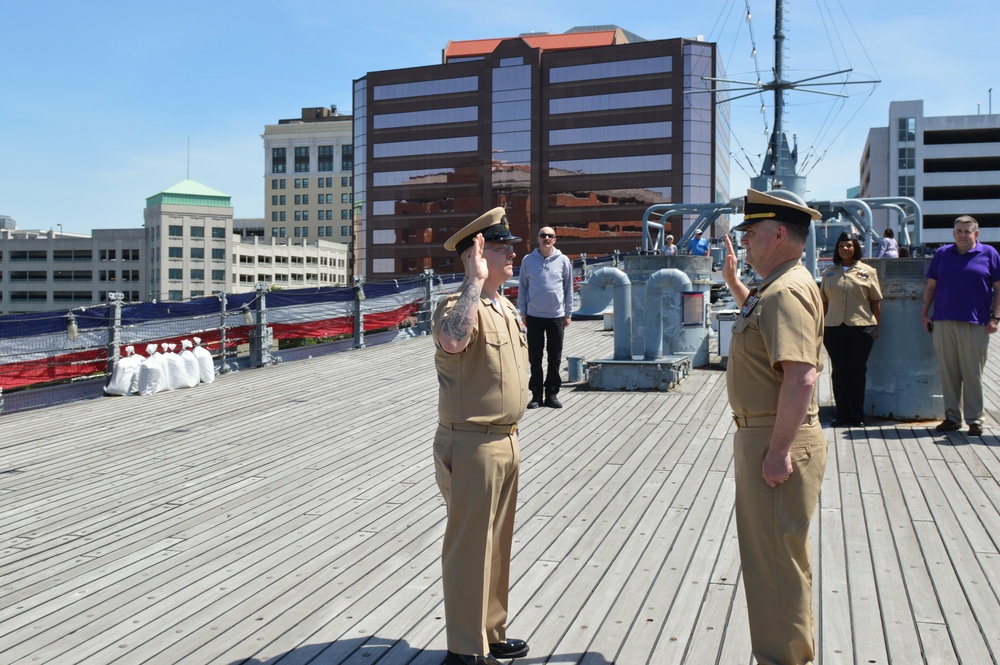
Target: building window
<point>71,296</point>
<point>907,185</point>
<point>305,231</point>
<point>107,276</point>
<point>325,159</point>
<point>197,252</point>
<point>302,160</point>
<point>197,231</point>
<point>343,181</point>
<point>329,230</point>
<point>218,275</point>
<point>175,295</point>
<point>319,181</point>
<point>345,198</point>
<point>298,231</point>
<point>277,160</point>
<point>298,183</point>
<point>218,254</point>
<point>274,183</point>
<point>282,232</point>
<point>305,215</point>
<point>907,129</point>
<point>345,230</point>
<point>346,158</point>
<point>319,232</point>
<point>198,274</point>
<point>907,158</point>
<point>298,216</point>
<point>298,199</point>
<point>219,232</point>
<point>130,254</point>
<point>282,184</point>
<point>175,230</point>
<point>345,214</point>
<point>274,215</point>
<point>107,255</point>
<point>175,273</point>
<point>175,252</point>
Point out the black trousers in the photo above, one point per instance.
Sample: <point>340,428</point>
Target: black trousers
<point>849,348</point>
<point>544,336</point>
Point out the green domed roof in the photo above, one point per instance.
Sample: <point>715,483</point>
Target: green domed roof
<point>189,192</point>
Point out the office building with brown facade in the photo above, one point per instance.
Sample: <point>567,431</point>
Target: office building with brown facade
<point>581,131</point>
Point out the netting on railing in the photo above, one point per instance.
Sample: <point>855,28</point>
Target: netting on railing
<point>59,346</point>
<point>68,344</point>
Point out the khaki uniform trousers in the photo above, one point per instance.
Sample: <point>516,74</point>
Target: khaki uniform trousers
<point>775,549</point>
<point>477,473</point>
<point>961,350</point>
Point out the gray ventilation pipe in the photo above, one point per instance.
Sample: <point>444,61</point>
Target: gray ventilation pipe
<point>661,280</point>
<point>622,303</point>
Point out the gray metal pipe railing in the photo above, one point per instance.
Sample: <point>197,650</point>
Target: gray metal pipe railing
<point>602,278</point>
<point>660,281</point>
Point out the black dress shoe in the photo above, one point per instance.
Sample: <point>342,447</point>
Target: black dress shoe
<point>509,649</point>
<point>974,430</point>
<point>858,423</point>
<point>462,659</point>
<point>948,426</point>
<point>553,402</point>
<point>534,403</point>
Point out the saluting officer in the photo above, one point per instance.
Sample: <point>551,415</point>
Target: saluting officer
<point>482,367</point>
<point>779,451</point>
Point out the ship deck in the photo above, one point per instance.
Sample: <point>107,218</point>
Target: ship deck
<point>289,515</point>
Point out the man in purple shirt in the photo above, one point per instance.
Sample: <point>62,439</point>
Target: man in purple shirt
<point>963,284</point>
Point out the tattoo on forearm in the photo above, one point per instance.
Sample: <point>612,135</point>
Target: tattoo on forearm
<point>456,324</point>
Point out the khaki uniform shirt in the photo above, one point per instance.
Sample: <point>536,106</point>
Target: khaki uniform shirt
<point>487,383</point>
<point>848,294</point>
<point>782,320</point>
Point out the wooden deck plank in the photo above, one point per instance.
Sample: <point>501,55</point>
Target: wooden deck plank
<point>281,515</point>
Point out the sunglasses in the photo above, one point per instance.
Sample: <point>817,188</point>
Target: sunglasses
<point>546,235</point>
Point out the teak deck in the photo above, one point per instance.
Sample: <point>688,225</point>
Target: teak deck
<point>290,515</point>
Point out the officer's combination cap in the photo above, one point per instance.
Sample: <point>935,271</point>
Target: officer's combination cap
<point>778,205</point>
<point>493,225</point>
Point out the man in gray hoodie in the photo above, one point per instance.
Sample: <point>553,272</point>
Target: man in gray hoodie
<point>545,299</point>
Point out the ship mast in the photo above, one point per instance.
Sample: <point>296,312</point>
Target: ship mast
<point>778,169</point>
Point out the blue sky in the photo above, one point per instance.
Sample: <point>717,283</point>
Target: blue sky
<point>98,100</point>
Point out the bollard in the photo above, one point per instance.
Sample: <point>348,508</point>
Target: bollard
<point>575,368</point>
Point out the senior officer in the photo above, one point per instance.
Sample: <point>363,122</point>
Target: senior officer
<point>779,451</point>
<point>482,367</point>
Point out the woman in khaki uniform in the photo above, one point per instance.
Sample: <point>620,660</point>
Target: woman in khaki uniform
<point>851,299</point>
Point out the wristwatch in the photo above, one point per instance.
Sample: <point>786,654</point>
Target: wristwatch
<point>995,318</point>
